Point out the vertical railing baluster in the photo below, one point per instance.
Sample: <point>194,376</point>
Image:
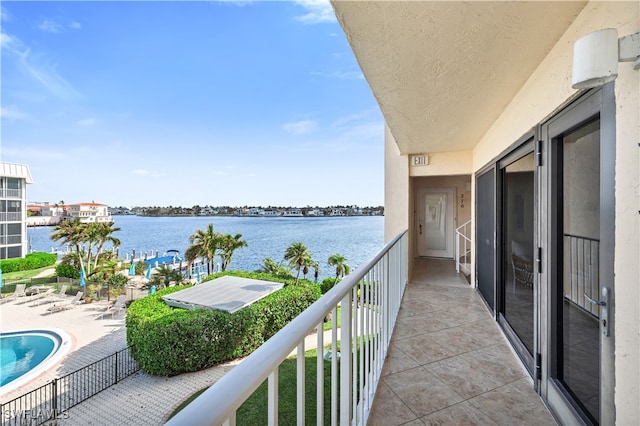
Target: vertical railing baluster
<point>300,397</point>
<point>334,364</point>
<point>272,404</point>
<point>345,359</point>
<point>320,375</point>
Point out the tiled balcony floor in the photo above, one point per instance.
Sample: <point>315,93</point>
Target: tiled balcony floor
<point>448,363</point>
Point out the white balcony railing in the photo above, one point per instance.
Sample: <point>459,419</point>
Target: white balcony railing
<point>463,248</point>
<point>369,299</point>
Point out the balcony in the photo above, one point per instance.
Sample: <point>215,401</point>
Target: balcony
<point>448,362</point>
<point>426,352</point>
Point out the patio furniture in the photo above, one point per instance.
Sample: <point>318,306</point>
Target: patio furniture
<point>42,298</point>
<point>37,289</point>
<point>19,292</point>
<point>119,305</point>
<point>77,299</point>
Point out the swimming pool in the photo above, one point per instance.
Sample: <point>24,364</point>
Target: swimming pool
<point>26,354</point>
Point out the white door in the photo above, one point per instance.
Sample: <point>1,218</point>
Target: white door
<point>435,222</point>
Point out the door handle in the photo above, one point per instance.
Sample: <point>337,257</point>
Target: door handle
<point>420,229</point>
<point>604,309</point>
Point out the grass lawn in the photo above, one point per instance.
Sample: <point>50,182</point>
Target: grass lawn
<point>26,274</point>
<point>254,409</point>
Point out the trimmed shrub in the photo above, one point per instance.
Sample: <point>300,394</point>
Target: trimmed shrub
<point>167,341</point>
<point>31,261</point>
<point>327,284</point>
<point>67,271</point>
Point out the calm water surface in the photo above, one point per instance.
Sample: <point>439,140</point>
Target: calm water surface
<point>357,238</point>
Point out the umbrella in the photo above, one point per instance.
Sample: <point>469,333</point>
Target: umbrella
<point>82,278</point>
<point>149,271</point>
<point>198,274</point>
<point>0,278</point>
<point>132,269</point>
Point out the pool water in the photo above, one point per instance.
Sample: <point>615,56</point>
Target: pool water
<point>21,353</point>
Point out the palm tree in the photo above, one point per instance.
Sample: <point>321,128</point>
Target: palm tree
<point>104,234</point>
<point>310,263</point>
<point>340,262</point>
<point>269,266</point>
<point>228,244</point>
<point>205,245</point>
<point>73,233</point>
<point>296,254</point>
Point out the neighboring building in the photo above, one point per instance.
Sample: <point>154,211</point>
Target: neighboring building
<point>89,212</point>
<point>483,125</point>
<point>292,213</point>
<point>13,209</point>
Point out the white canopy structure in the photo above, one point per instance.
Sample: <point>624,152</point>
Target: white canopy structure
<point>227,293</point>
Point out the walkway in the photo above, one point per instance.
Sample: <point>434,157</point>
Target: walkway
<point>449,363</point>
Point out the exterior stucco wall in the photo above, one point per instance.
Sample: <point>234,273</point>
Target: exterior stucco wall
<point>445,164</point>
<point>549,88</point>
<point>396,188</point>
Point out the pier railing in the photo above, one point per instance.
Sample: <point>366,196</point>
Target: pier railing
<point>369,300</point>
<point>53,400</point>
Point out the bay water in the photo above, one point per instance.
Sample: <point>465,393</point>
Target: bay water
<point>355,237</point>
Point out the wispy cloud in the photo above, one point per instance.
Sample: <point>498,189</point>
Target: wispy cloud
<point>50,26</point>
<point>318,12</point>
<point>12,113</point>
<point>5,16</point>
<point>300,127</point>
<point>35,67</point>
<point>75,25</point>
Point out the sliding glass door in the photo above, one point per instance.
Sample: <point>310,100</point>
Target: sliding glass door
<point>517,288</point>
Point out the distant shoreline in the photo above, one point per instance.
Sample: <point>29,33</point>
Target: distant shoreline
<point>47,222</point>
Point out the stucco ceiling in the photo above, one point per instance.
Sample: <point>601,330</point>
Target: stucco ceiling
<point>442,72</point>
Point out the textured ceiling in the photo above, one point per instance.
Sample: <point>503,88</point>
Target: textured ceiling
<point>442,72</point>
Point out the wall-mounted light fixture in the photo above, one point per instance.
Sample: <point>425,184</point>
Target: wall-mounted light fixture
<point>596,56</point>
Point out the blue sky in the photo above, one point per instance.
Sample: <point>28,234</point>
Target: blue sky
<point>185,103</point>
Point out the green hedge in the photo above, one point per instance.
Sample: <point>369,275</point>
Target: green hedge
<point>31,261</point>
<point>168,341</point>
<point>67,271</point>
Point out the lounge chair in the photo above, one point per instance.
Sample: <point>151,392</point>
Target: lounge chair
<point>62,294</point>
<point>119,305</point>
<point>19,292</point>
<point>77,299</point>
<point>42,298</point>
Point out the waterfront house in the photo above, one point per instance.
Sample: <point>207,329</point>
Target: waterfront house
<point>89,212</point>
<point>293,212</point>
<point>497,133</point>
<point>13,209</point>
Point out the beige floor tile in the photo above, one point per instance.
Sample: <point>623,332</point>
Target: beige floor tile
<point>422,391</point>
<point>461,414</point>
<point>389,409</point>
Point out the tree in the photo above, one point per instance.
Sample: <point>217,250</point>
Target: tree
<point>310,263</point>
<point>228,244</point>
<point>205,244</point>
<point>104,234</point>
<point>93,235</point>
<point>164,275</point>
<point>340,262</point>
<point>296,254</point>
<point>72,233</point>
